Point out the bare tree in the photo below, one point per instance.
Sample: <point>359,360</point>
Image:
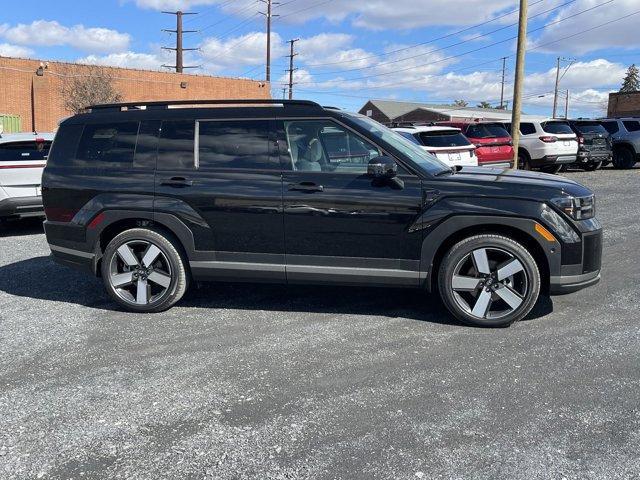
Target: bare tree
<point>90,85</point>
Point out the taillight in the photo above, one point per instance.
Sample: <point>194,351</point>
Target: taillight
<point>549,139</point>
<point>57,214</point>
<point>581,140</point>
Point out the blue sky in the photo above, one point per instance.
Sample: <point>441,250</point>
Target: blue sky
<point>352,50</point>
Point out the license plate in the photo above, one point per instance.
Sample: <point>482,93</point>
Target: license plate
<point>38,191</point>
<point>454,157</point>
<point>567,143</point>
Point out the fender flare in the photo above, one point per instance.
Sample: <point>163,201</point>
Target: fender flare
<point>453,225</point>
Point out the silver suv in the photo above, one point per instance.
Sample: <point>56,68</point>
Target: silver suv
<point>625,134</point>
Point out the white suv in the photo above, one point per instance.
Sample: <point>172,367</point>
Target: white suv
<point>22,159</point>
<point>546,144</point>
<point>446,143</point>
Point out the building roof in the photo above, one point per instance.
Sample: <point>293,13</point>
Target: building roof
<point>394,109</point>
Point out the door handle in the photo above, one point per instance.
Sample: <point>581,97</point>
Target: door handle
<point>178,182</point>
<point>306,187</point>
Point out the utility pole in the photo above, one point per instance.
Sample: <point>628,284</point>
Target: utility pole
<point>179,66</point>
<point>268,16</point>
<point>291,69</point>
<point>555,94</point>
<point>504,69</point>
<point>284,92</point>
<point>519,80</point>
<point>566,106</point>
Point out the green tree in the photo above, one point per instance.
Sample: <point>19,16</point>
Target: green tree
<point>631,82</point>
<point>460,103</point>
<point>484,105</point>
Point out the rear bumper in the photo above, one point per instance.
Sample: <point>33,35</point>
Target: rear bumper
<point>587,156</point>
<point>554,160</point>
<point>21,207</point>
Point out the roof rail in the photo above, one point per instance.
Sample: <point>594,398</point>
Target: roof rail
<point>166,104</point>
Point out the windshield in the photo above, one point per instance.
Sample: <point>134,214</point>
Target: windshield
<point>444,139</point>
<point>487,130</point>
<point>420,157</point>
<point>590,127</point>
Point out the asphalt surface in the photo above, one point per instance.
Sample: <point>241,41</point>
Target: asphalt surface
<point>261,382</point>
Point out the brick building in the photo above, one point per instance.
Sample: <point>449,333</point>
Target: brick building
<point>34,93</point>
<point>624,104</point>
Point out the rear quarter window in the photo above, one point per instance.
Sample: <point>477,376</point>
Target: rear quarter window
<point>105,144</point>
<point>527,128</point>
<point>632,125</point>
<point>65,144</point>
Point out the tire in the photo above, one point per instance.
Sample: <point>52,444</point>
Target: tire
<point>553,169</point>
<point>143,271</point>
<point>623,158</point>
<point>524,163</point>
<point>593,166</point>
<point>465,289</point>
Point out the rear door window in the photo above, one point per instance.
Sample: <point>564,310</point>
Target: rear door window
<point>24,151</point>
<point>486,130</point>
<point>527,128</point>
<point>241,144</point>
<point>108,144</point>
<point>444,139</point>
<point>176,144</point>
<point>559,128</point>
<point>632,125</point>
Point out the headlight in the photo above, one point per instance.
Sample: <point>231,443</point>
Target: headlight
<point>578,208</point>
<point>559,225</point>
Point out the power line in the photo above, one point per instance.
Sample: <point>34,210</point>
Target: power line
<point>410,47</point>
<point>306,8</point>
<point>366,77</point>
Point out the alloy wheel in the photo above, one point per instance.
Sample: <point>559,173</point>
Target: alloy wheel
<point>489,283</point>
<point>140,272</point>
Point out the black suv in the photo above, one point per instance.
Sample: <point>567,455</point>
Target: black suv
<point>594,144</point>
<point>151,197</point>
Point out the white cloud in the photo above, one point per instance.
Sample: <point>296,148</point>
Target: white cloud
<point>239,52</point>
<point>183,5</point>
<point>9,50</point>
<point>52,33</point>
<point>622,33</point>
<point>143,61</point>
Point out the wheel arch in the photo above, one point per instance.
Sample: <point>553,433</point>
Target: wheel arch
<point>520,230</point>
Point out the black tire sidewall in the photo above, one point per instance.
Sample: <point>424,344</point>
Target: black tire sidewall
<point>463,248</point>
<point>178,277</point>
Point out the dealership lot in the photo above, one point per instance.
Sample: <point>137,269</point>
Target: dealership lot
<point>254,381</point>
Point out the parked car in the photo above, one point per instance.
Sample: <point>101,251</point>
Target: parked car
<point>625,134</point>
<point>594,144</point>
<point>494,147</point>
<point>448,144</point>
<point>22,158</point>
<point>253,190</point>
<point>546,145</point>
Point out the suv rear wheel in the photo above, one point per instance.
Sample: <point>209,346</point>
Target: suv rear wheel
<point>623,157</point>
<point>489,280</point>
<point>143,271</point>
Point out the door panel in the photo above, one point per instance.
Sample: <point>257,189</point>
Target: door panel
<point>347,227</point>
<point>241,206</point>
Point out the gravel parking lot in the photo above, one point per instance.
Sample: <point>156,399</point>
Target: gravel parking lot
<point>254,381</point>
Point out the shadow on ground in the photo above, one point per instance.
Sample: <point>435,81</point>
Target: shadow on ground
<point>20,227</point>
<point>41,278</point>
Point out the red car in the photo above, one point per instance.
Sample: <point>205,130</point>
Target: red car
<point>493,143</point>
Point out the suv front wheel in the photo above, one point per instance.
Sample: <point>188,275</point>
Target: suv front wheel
<point>489,280</point>
<point>143,271</point>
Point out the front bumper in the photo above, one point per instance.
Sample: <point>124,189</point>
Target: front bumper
<point>561,285</point>
<point>586,262</point>
<point>21,207</point>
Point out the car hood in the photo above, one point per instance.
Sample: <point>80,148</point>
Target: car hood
<point>517,183</point>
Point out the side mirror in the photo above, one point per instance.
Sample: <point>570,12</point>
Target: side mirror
<point>382,167</point>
